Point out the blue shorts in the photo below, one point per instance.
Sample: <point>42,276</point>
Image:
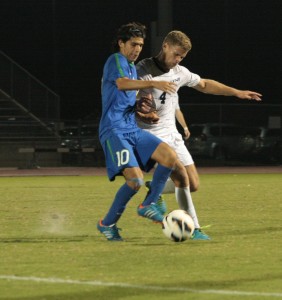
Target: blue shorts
<point>126,150</point>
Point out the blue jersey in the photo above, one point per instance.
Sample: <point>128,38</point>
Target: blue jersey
<point>118,115</point>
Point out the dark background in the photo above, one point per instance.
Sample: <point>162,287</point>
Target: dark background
<point>64,43</point>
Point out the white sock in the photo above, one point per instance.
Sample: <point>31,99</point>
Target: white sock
<point>169,187</point>
<point>185,202</point>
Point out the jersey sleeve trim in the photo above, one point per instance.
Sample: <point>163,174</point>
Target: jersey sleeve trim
<point>119,66</point>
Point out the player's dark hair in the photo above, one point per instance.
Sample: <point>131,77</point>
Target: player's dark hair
<point>127,31</point>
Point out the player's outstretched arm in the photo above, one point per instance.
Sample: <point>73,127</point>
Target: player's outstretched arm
<point>213,87</point>
<point>125,83</point>
<point>249,95</point>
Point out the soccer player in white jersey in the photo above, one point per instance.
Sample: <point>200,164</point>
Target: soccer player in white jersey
<point>165,66</point>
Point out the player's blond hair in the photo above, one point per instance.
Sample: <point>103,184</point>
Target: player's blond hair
<point>178,38</point>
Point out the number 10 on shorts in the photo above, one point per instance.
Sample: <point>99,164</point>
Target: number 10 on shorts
<point>122,157</point>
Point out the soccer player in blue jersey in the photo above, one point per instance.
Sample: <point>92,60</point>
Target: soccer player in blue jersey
<point>128,149</point>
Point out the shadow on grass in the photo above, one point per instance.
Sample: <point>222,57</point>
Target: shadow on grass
<point>109,293</point>
<point>45,239</point>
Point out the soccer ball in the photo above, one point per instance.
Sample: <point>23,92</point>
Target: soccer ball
<point>178,226</point>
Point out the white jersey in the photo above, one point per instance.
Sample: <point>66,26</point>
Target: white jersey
<point>166,104</point>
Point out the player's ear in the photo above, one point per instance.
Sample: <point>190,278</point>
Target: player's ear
<point>120,43</point>
<point>165,46</point>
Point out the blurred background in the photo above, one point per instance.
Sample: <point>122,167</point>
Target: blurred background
<point>51,60</point>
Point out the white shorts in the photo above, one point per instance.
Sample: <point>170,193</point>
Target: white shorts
<point>176,142</point>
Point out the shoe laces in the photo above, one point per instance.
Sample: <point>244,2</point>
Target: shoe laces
<point>204,227</point>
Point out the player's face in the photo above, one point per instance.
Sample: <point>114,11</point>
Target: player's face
<point>173,55</point>
<point>131,48</point>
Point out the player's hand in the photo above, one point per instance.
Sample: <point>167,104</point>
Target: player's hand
<point>186,133</point>
<point>168,87</point>
<point>149,118</point>
<point>146,104</point>
<point>249,95</point>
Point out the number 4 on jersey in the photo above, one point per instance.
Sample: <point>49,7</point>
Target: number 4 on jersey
<point>163,97</point>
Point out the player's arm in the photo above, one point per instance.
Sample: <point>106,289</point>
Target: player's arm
<point>125,83</point>
<point>181,120</point>
<point>213,87</point>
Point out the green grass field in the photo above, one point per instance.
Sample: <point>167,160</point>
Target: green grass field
<point>50,248</point>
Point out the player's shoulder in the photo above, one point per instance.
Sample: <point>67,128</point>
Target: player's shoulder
<point>180,69</point>
<point>113,59</point>
<point>145,63</point>
<point>185,73</point>
<point>146,68</point>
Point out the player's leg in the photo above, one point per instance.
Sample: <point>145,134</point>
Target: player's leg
<point>183,193</point>
<point>194,181</point>
<point>124,162</point>
<point>184,199</point>
<point>134,180</point>
<point>150,150</point>
<point>169,187</point>
<point>166,159</point>
<point>193,175</point>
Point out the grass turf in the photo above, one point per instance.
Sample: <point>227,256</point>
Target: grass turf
<point>48,230</point>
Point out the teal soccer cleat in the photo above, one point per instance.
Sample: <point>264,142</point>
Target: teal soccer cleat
<point>199,235</point>
<point>161,204</point>
<point>110,232</point>
<point>151,212</point>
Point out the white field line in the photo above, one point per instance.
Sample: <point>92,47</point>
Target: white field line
<point>143,287</point>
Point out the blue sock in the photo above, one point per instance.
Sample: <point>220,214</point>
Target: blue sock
<point>160,177</point>
<point>124,194</point>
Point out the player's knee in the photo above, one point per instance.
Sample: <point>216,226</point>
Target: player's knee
<point>181,182</point>
<point>165,155</point>
<point>171,159</point>
<point>179,176</point>
<point>194,187</point>
<point>135,183</point>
